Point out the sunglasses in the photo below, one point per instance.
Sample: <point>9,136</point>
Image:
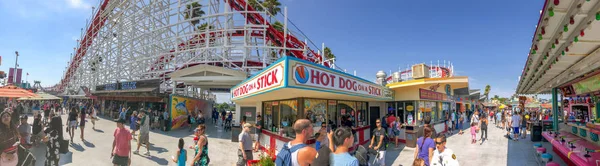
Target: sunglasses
<point>438,143</point>
<point>378,122</point>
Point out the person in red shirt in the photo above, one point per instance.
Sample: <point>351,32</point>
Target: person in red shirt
<point>390,119</point>
<point>121,148</point>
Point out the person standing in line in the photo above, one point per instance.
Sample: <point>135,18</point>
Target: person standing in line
<point>443,156</point>
<point>516,122</point>
<point>304,155</point>
<point>377,142</point>
<point>245,148</point>
<point>181,154</point>
<point>258,127</point>
<point>121,146</point>
<point>201,147</point>
<point>396,128</point>
<point>72,122</point>
<point>144,136</point>
<point>343,140</point>
<point>82,122</point>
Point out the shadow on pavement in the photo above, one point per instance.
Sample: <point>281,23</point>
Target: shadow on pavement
<point>98,130</point>
<point>88,144</point>
<point>159,161</point>
<point>158,149</point>
<point>77,147</point>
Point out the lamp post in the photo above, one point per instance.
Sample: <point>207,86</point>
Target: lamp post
<point>15,70</point>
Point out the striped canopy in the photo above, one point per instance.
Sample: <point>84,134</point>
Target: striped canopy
<point>15,92</point>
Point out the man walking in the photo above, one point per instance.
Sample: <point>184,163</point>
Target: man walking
<point>144,137</point>
<point>121,147</point>
<point>377,142</point>
<point>245,149</point>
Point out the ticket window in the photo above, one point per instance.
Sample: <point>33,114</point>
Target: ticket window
<point>315,110</point>
<point>332,114</point>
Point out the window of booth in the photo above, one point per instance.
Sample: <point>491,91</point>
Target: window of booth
<point>411,114</point>
<point>332,118</point>
<point>347,113</point>
<point>362,114</point>
<point>289,113</point>
<point>426,108</point>
<point>315,110</point>
<point>268,115</point>
<point>401,111</point>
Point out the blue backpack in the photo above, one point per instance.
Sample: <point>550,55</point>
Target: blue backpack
<point>284,157</point>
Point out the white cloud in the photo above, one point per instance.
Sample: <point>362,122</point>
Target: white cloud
<point>43,9</point>
<point>78,4</point>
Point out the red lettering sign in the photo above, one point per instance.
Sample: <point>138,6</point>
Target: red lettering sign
<point>265,80</point>
<point>430,95</point>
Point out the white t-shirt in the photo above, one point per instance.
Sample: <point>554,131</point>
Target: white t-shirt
<point>516,120</point>
<point>446,158</point>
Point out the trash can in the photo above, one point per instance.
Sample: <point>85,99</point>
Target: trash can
<point>235,132</point>
<point>411,136</point>
<point>536,132</point>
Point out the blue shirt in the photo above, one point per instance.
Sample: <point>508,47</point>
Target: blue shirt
<point>343,159</point>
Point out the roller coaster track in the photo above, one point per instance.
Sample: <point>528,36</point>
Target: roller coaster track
<point>276,37</point>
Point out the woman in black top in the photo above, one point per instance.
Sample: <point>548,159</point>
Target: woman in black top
<point>484,124</point>
<point>52,139</point>
<point>72,122</point>
<point>36,128</point>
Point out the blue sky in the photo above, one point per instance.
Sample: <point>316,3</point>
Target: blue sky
<point>486,40</point>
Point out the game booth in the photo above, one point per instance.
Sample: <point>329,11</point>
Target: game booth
<point>292,89</point>
<point>564,60</point>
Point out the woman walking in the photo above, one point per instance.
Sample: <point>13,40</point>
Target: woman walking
<point>425,146</point>
<point>72,122</point>
<point>201,147</point>
<point>133,124</point>
<point>9,136</point>
<point>82,122</point>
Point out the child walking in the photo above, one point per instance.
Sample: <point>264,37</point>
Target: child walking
<point>473,133</point>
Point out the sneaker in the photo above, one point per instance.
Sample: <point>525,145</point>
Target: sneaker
<point>136,152</point>
<point>147,153</point>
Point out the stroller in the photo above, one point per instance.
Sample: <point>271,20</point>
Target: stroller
<point>362,154</point>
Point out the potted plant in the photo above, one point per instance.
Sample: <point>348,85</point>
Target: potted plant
<point>264,160</point>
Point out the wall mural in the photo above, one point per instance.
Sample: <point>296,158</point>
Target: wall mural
<point>180,108</point>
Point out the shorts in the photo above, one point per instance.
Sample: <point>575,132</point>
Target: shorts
<point>143,138</point>
<point>120,161</point>
<point>516,130</point>
<point>72,124</point>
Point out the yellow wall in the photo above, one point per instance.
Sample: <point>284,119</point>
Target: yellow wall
<point>412,92</point>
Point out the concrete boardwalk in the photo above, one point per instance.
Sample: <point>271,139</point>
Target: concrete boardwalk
<point>96,150</point>
<point>496,151</point>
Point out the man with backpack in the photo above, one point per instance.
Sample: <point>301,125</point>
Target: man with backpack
<point>295,152</point>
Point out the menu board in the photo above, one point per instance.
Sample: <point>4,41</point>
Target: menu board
<point>587,85</point>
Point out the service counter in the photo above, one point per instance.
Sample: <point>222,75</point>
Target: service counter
<point>275,140</point>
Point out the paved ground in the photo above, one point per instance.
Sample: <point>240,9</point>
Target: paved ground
<point>96,149</point>
<point>494,151</point>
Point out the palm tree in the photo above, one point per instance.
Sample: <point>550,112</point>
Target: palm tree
<point>192,11</point>
<point>272,6</point>
<point>487,91</point>
<point>278,26</point>
<point>204,26</point>
<point>255,4</point>
<point>328,54</point>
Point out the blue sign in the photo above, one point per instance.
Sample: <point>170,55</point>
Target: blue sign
<point>112,86</point>
<point>128,85</point>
